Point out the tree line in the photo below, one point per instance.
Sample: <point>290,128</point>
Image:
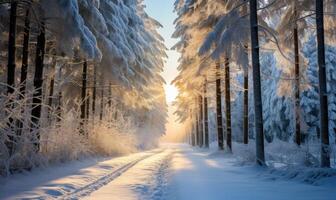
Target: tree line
<point>268,59</point>
<point>80,64</point>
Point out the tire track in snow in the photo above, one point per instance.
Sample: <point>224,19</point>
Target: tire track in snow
<point>102,181</point>
<point>162,178</point>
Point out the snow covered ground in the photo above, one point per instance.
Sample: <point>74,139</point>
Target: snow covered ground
<point>201,175</point>
<point>171,172</point>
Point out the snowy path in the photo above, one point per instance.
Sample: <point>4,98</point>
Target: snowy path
<point>147,180</point>
<point>171,172</point>
<point>201,175</point>
<point>70,181</point>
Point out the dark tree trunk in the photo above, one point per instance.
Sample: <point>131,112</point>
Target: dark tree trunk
<point>110,95</point>
<point>219,107</point>
<point>38,82</point>
<point>325,154</point>
<point>201,121</point>
<point>297,88</point>
<point>197,129</point>
<point>11,49</point>
<point>51,92</point>
<point>24,67</point>
<point>228,104</point>
<point>259,128</point>
<point>246,93</point>
<point>206,124</point>
<point>83,97</point>
<point>59,107</point>
<point>88,107</point>
<point>193,134</point>
<point>101,104</point>
<point>11,65</point>
<point>25,54</point>
<point>246,89</point>
<point>94,92</point>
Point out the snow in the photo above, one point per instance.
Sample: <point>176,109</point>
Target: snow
<point>147,180</point>
<point>76,178</point>
<point>172,172</point>
<point>202,175</point>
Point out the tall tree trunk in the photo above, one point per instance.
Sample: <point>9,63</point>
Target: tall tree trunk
<point>38,82</point>
<point>193,134</point>
<point>101,104</point>
<point>25,55</point>
<point>24,67</point>
<point>88,107</point>
<point>206,124</point>
<point>11,48</point>
<point>259,128</point>
<point>11,65</point>
<point>83,97</point>
<point>219,107</point>
<point>228,104</point>
<point>51,92</point>
<point>246,89</point>
<point>246,120</point>
<point>297,87</point>
<point>110,95</point>
<point>201,121</point>
<point>325,154</point>
<point>59,107</point>
<point>94,92</point>
<point>197,138</point>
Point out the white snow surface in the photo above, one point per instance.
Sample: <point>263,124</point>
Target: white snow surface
<point>171,172</point>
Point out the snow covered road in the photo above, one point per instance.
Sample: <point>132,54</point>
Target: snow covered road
<point>171,172</point>
<point>200,175</point>
<point>73,180</point>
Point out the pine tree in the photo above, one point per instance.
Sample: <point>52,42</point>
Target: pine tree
<point>325,154</point>
<point>310,97</point>
<point>257,84</point>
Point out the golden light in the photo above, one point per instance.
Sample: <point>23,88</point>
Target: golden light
<point>171,93</point>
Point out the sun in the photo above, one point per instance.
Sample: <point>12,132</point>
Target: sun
<point>171,93</point>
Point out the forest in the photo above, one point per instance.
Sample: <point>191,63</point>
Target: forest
<point>78,78</point>
<point>86,106</point>
<point>261,72</point>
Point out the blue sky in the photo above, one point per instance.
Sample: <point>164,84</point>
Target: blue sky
<point>163,11</point>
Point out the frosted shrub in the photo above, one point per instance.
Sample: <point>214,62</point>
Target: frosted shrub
<point>280,152</point>
<point>245,153</point>
<point>61,139</point>
<point>62,142</point>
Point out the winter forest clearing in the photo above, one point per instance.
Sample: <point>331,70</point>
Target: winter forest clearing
<point>165,99</point>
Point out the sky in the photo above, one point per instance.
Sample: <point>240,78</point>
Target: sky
<point>163,11</point>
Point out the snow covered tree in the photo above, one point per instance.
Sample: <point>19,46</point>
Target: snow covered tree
<point>290,28</point>
<point>117,37</point>
<point>310,101</point>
